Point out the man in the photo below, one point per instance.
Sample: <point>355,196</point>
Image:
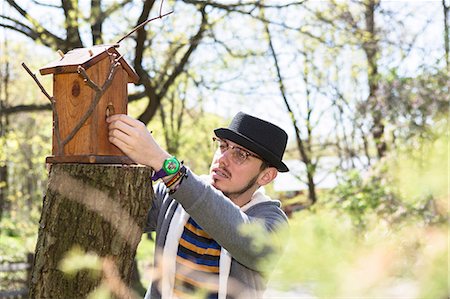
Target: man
<point>200,246</point>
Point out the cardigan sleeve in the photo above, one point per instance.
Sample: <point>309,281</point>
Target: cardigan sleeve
<point>155,208</point>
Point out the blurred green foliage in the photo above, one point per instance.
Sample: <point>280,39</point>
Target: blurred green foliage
<point>77,259</point>
<point>328,258</point>
<point>383,234</point>
<point>24,148</point>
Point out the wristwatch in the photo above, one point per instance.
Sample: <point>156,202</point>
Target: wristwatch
<point>170,166</point>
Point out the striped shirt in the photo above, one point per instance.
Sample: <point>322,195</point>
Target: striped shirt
<point>197,265</point>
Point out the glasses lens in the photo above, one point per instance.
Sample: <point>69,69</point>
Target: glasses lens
<point>221,145</point>
<point>239,155</point>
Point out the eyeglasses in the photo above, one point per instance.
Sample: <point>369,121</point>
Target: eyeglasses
<point>238,154</point>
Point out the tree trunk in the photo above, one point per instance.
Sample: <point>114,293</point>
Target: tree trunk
<point>101,209</point>
<point>3,167</point>
<point>303,148</point>
<point>446,9</point>
<point>4,123</point>
<point>371,48</point>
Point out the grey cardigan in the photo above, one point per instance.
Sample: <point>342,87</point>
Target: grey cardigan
<point>222,220</point>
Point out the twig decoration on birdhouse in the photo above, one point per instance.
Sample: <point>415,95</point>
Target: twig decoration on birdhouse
<point>52,102</point>
<point>99,91</point>
<point>146,22</point>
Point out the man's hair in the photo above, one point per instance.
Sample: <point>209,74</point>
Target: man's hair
<point>264,165</point>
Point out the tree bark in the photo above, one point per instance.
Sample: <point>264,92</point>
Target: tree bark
<point>446,9</point>
<point>4,124</point>
<point>304,149</point>
<point>371,48</point>
<point>99,208</point>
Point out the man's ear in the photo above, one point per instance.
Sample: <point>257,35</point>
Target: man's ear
<point>267,176</point>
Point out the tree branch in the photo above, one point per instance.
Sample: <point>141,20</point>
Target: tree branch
<point>20,27</point>
<point>25,108</point>
<point>43,34</point>
<point>45,4</point>
<point>194,42</point>
<point>38,83</point>
<point>234,7</point>
<point>72,14</point>
<point>142,25</point>
<point>304,152</point>
<point>149,112</point>
<point>53,105</point>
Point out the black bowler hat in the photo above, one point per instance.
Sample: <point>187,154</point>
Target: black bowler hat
<point>259,136</point>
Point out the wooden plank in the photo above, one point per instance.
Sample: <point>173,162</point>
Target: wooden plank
<point>73,98</point>
<point>81,56</point>
<point>89,159</point>
<point>116,97</point>
<point>76,57</point>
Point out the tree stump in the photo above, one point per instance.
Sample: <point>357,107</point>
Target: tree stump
<point>99,208</point>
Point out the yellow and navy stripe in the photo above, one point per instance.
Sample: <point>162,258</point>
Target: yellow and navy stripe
<point>197,262</point>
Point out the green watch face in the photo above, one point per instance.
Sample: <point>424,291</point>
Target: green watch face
<point>171,165</point>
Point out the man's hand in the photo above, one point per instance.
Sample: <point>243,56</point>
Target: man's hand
<point>134,140</point>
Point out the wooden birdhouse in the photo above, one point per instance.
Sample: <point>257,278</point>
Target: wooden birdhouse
<point>89,84</point>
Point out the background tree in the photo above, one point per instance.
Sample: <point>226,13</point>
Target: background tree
<point>446,9</point>
<point>304,144</point>
<point>4,95</point>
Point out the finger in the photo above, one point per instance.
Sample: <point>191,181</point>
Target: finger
<point>126,119</point>
<point>123,137</point>
<point>120,144</point>
<point>113,117</point>
<point>121,126</point>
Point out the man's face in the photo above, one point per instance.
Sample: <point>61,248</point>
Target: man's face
<point>231,175</point>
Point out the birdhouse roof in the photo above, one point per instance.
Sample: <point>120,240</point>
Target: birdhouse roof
<point>87,57</point>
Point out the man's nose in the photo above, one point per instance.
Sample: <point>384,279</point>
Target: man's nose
<point>224,158</point>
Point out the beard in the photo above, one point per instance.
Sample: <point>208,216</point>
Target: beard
<point>250,184</point>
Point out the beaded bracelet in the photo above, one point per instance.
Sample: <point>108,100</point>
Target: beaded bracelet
<point>175,178</point>
<point>174,183</point>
